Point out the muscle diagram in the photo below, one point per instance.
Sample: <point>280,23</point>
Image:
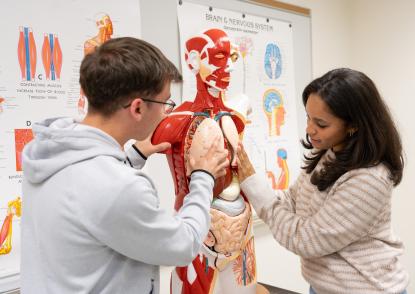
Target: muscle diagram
<point>226,262</point>
<point>52,57</point>
<point>14,209</point>
<point>105,31</point>
<point>21,137</point>
<point>26,53</point>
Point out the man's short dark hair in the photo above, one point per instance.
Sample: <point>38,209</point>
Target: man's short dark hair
<point>122,68</point>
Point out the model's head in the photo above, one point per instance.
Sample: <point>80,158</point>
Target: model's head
<point>211,56</point>
<point>346,113</point>
<point>121,69</point>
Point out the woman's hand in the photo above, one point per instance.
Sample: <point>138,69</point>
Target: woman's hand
<point>245,168</point>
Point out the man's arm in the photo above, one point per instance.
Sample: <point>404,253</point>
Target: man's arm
<point>132,223</point>
<point>139,229</point>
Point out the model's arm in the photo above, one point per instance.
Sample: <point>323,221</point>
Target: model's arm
<point>348,214</point>
<point>172,129</point>
<point>169,131</point>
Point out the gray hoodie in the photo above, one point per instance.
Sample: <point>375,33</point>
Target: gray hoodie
<point>92,224</point>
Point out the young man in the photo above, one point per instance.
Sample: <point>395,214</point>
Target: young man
<point>91,219</point>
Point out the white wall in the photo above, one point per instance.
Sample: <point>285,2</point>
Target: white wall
<point>331,34</point>
<point>378,38</point>
<point>383,47</point>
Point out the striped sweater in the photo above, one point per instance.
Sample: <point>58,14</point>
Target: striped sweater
<point>343,234</point>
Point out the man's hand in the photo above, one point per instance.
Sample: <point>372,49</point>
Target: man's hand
<point>213,161</point>
<point>245,168</point>
<point>147,148</point>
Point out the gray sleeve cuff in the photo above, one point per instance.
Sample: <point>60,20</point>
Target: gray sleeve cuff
<point>203,171</point>
<point>135,158</point>
<point>200,175</point>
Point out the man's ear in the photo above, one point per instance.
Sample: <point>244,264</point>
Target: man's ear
<point>193,61</point>
<point>136,108</point>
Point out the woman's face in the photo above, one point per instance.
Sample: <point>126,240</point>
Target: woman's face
<point>324,129</point>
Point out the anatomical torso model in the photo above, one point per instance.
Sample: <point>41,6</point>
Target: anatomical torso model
<point>226,262</point>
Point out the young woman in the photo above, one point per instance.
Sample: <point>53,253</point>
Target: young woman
<point>337,214</point>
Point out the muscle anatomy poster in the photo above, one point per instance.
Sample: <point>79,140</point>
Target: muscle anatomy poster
<point>43,43</point>
<point>261,85</point>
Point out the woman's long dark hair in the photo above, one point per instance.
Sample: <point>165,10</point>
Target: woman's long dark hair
<point>353,97</point>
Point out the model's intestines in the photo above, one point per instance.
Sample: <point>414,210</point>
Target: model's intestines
<point>229,232</point>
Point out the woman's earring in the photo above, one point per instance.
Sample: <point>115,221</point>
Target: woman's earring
<point>351,132</point>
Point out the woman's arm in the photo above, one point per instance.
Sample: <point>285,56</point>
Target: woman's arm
<point>349,213</point>
<point>257,189</point>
